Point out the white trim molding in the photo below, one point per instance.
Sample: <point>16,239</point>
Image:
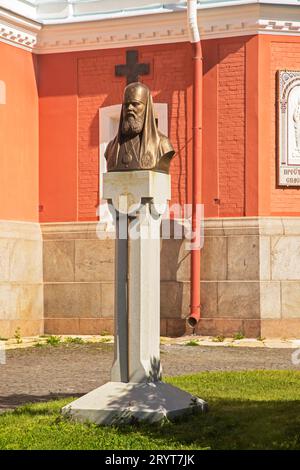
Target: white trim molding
<point>108,127</point>
<point>2,92</point>
<point>18,31</point>
<point>217,20</point>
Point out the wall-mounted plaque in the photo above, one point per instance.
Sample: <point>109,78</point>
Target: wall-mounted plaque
<point>288,128</point>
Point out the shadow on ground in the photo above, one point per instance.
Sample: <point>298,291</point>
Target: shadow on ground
<point>12,401</point>
<point>247,410</point>
<point>230,424</point>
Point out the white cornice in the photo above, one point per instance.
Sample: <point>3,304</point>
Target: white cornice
<point>236,20</point>
<point>18,31</point>
<point>217,22</point>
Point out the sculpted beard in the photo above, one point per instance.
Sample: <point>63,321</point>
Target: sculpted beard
<point>132,126</point>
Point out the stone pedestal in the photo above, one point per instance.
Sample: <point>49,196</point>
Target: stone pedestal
<point>120,403</point>
<point>139,198</point>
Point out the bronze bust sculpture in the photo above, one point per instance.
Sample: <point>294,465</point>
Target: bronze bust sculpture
<point>138,145</point>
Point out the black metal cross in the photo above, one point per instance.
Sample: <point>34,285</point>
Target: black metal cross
<point>132,69</point>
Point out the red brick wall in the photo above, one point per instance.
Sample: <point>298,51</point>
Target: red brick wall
<point>91,74</point>
<point>74,86</point>
<point>285,54</point>
<point>224,125</point>
<point>231,128</point>
<point>98,87</point>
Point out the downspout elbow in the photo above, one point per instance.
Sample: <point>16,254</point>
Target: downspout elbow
<point>193,319</point>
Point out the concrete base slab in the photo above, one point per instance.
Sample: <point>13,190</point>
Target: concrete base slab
<point>119,402</point>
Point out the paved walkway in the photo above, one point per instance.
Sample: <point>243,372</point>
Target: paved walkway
<point>201,340</point>
<point>39,374</point>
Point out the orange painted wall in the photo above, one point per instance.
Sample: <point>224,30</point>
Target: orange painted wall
<point>58,107</point>
<point>239,138</point>
<point>18,136</point>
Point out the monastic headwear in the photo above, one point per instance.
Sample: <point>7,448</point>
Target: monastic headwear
<point>136,92</point>
<point>156,150</point>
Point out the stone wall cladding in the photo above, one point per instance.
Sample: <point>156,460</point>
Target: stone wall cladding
<point>79,281</point>
<point>21,279</point>
<point>250,279</point>
<point>258,277</point>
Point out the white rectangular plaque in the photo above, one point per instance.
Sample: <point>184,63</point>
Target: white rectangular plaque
<point>288,142</point>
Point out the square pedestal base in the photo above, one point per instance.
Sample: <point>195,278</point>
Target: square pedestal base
<point>119,402</point>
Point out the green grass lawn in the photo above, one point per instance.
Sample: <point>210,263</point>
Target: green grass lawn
<point>247,410</point>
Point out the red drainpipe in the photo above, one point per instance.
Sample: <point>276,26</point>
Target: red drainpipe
<point>194,315</point>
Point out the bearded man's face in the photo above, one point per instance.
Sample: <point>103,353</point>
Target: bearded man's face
<point>133,118</point>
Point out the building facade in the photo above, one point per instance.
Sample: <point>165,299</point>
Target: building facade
<point>60,100</point>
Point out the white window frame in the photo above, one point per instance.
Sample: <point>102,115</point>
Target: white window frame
<point>2,92</point>
<point>106,130</point>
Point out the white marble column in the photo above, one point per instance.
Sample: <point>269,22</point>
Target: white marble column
<point>144,297</point>
<point>136,391</point>
<point>137,286</point>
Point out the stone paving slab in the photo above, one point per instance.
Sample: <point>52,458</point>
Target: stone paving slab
<point>42,373</point>
<point>201,340</point>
